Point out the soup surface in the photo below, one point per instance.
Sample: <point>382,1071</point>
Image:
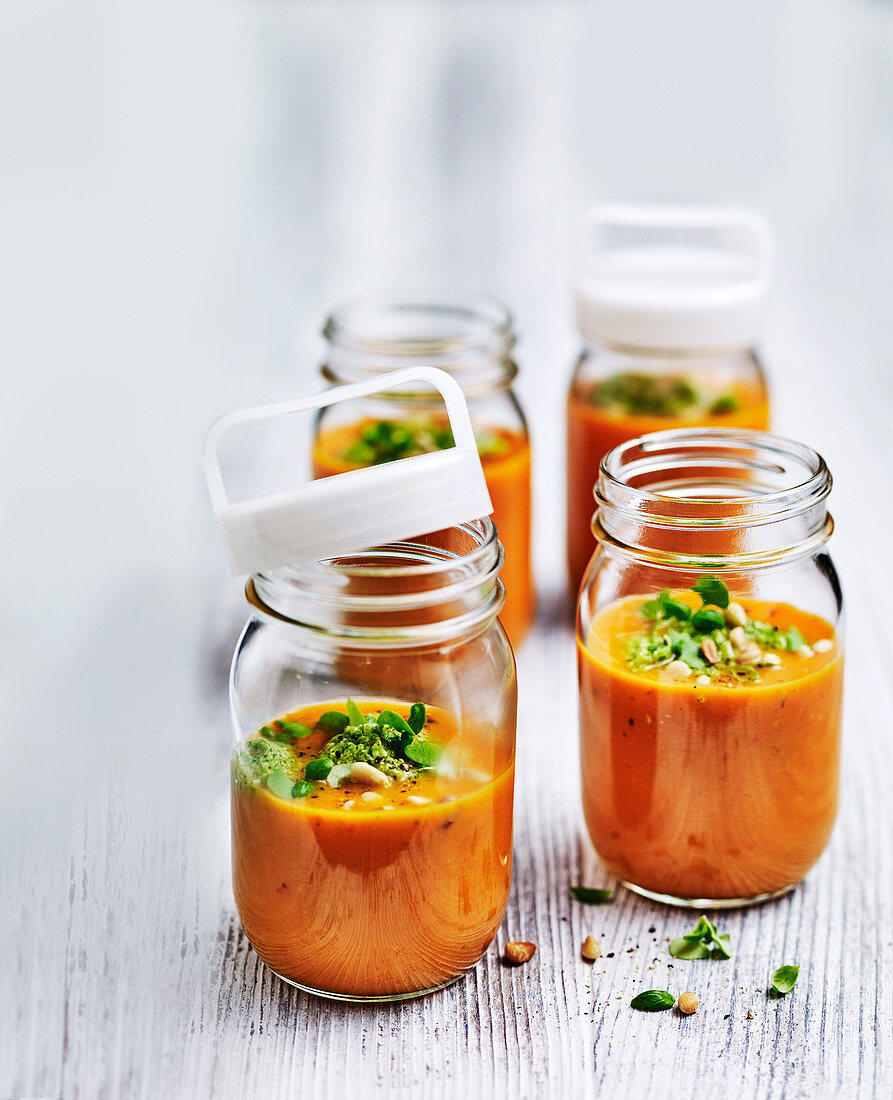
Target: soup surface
<point>505,457</point>
<point>709,779</point>
<point>371,861</point>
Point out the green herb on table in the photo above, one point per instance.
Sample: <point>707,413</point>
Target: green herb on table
<point>704,941</point>
<point>653,1000</point>
<point>591,895</point>
<point>783,980</point>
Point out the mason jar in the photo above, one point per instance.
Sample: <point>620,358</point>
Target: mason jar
<point>671,303</point>
<point>710,657</point>
<point>472,339</point>
<point>393,882</point>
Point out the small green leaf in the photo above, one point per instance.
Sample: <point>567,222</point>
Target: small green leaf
<point>725,404</point>
<point>705,934</point>
<point>704,929</point>
<point>711,590</point>
<point>301,789</point>
<point>675,609</point>
<point>591,895</point>
<point>318,768</point>
<point>422,753</point>
<point>395,721</point>
<point>794,639</point>
<point>653,1000</point>
<point>784,979</point>
<point>280,783</point>
<point>652,608</point>
<point>296,729</point>
<point>723,945</point>
<point>683,948</point>
<point>354,713</point>
<point>707,620</point>
<point>339,772</point>
<point>686,648</point>
<point>333,720</point>
<point>276,732</point>
<point>417,715</point>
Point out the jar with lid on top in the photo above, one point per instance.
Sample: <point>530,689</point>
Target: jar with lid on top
<point>710,658</point>
<point>393,882</point>
<point>472,339</point>
<point>671,302</point>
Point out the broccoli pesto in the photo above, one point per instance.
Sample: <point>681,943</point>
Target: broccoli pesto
<point>281,758</point>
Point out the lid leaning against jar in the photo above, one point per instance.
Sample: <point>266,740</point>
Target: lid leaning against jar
<point>321,519</point>
<point>674,277</point>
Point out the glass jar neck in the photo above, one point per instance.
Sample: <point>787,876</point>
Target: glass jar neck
<point>435,589</point>
<point>470,338</point>
<point>713,499</point>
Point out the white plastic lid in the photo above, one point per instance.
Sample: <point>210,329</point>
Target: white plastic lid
<point>359,509</point>
<point>674,277</point>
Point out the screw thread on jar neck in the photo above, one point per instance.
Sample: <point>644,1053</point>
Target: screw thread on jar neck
<point>712,498</point>
<point>469,337</point>
<point>438,588</point>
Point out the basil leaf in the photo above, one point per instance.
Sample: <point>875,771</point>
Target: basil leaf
<point>683,948</point>
<point>333,720</point>
<point>652,608</point>
<point>276,733</point>
<point>301,789</point>
<point>675,609</point>
<point>591,895</point>
<point>723,945</point>
<point>280,783</point>
<point>339,772</point>
<point>354,713</point>
<point>794,639</point>
<point>784,979</point>
<point>417,715</point>
<point>703,929</point>
<point>686,648</point>
<point>422,753</point>
<point>707,620</point>
<point>711,590</point>
<point>653,1000</point>
<point>296,729</point>
<point>318,768</point>
<point>396,722</point>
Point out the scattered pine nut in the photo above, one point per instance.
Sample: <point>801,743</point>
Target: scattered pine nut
<point>687,1003</point>
<point>591,949</point>
<point>349,804</point>
<point>370,796</point>
<point>361,772</point>
<point>805,651</point>
<point>823,645</point>
<point>519,952</point>
<point>418,800</point>
<point>702,681</point>
<point>738,638</point>
<point>709,651</point>
<point>736,615</point>
<point>771,660</point>
<point>679,670</point>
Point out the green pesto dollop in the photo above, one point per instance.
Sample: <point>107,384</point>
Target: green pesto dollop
<point>260,758</point>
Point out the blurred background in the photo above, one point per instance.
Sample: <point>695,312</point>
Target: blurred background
<point>187,186</point>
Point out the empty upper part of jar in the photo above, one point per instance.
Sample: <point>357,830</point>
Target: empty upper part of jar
<point>470,337</point>
<point>712,497</point>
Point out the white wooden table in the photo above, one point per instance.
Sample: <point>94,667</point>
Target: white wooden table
<point>164,282</point>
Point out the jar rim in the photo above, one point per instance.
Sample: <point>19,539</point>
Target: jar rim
<point>705,484</point>
<point>351,325</point>
<point>317,596</point>
<point>805,471</point>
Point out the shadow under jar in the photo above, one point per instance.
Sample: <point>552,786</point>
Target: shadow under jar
<point>363,889</point>
<point>710,658</point>
<point>472,339</point>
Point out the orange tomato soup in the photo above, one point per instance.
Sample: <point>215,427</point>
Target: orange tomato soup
<point>508,479</point>
<point>719,791</point>
<point>592,431</point>
<point>380,898</point>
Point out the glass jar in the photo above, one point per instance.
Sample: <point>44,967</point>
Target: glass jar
<point>710,736</point>
<point>618,394</point>
<point>670,302</point>
<point>471,339</point>
<point>394,890</point>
